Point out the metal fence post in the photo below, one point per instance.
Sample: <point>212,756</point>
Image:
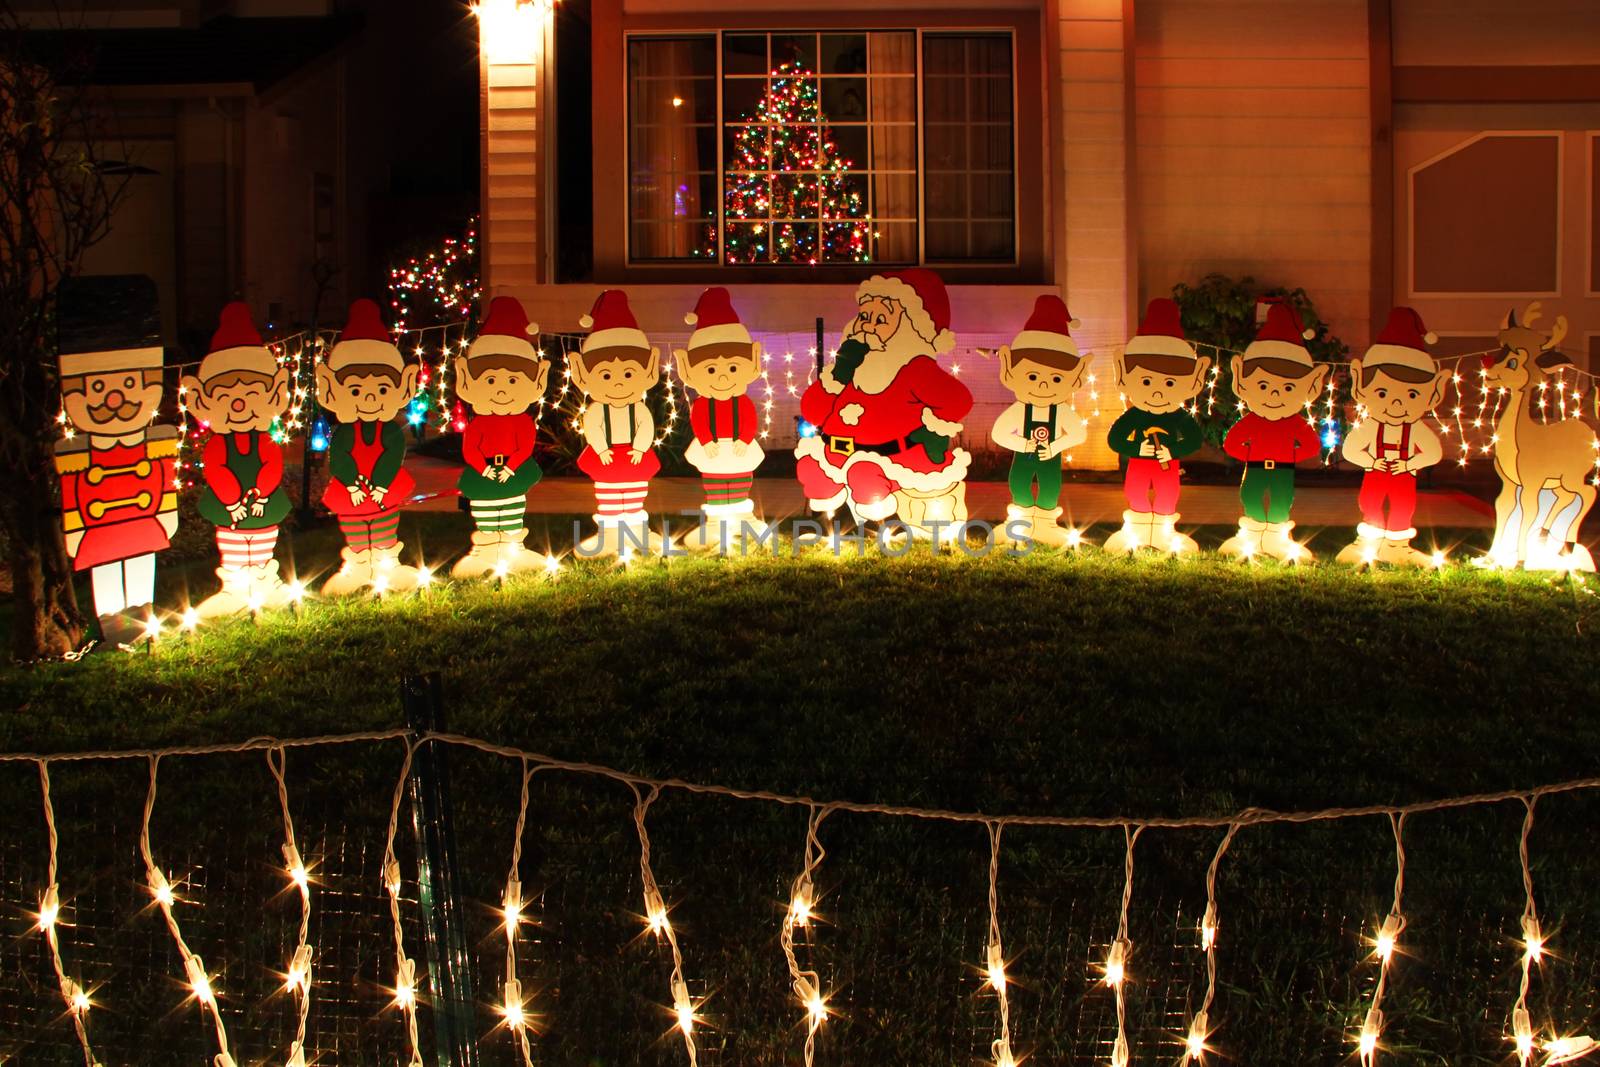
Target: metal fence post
<point>444,924</point>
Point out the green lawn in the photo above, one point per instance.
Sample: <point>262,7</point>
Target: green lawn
<point>1050,684</point>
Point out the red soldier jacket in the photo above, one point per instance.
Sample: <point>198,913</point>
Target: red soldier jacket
<point>1255,440</point>
<point>116,493</point>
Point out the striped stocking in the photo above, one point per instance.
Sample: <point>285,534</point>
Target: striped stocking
<point>364,535</point>
<point>246,548</point>
<point>727,489</point>
<point>616,499</point>
<point>500,516</point>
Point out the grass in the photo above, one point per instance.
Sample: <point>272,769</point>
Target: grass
<point>1053,684</point>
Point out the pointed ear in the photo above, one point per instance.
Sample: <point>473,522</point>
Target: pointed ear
<point>408,379</point>
<point>1083,371</point>
<point>195,395</point>
<point>326,383</point>
<point>1202,367</point>
<point>1357,390</point>
<point>1119,366</point>
<point>755,350</point>
<point>279,397</point>
<point>680,356</point>
<point>1003,353</point>
<point>1440,380</point>
<point>542,377</point>
<point>653,369</point>
<point>1320,373</point>
<point>1236,368</point>
<point>578,372</point>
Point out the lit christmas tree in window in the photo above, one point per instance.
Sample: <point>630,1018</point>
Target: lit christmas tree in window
<point>789,195</point>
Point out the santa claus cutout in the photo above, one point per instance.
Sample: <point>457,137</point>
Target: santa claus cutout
<point>883,416</point>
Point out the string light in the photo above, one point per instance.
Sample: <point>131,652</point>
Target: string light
<point>683,1009</point>
<point>802,898</point>
<point>1383,948</point>
<point>405,977</point>
<point>995,959</point>
<point>1116,967</point>
<point>298,979</point>
<point>1194,1041</point>
<point>76,1000</point>
<point>513,1007</point>
<point>193,967</point>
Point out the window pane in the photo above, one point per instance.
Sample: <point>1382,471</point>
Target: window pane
<point>893,99</point>
<point>844,99</point>
<point>892,53</point>
<point>968,158</point>
<point>795,50</point>
<point>744,53</point>
<point>844,53</point>
<point>672,148</point>
<point>896,242</point>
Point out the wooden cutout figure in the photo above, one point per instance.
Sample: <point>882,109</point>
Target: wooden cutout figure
<point>1531,454</point>
<point>1043,369</point>
<point>500,377</point>
<point>1160,374</point>
<point>887,415</point>
<point>720,364</point>
<point>1396,383</point>
<point>616,367</point>
<point>365,384</point>
<point>119,498</point>
<point>1275,379</point>
<point>239,390</point>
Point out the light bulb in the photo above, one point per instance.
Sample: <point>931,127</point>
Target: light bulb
<point>49,908</point>
<point>152,628</point>
<point>255,602</point>
<point>1074,538</point>
<point>424,577</point>
<point>501,569</point>
<point>1115,963</point>
<point>1385,946</point>
<point>817,1009</point>
<point>380,584</point>
<point>405,996</point>
<point>190,620</point>
<point>658,922</point>
<point>1195,1045</point>
<point>685,1013</point>
<point>1438,560</point>
<point>80,1001</point>
<point>551,563</point>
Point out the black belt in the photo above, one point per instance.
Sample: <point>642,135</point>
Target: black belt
<point>1268,464</point>
<point>850,444</point>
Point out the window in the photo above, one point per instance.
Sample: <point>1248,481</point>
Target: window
<point>815,148</point>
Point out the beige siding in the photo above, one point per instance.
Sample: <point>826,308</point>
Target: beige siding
<point>1253,148</point>
<point>512,176</point>
<point>1458,33</point>
<point>1095,158</point>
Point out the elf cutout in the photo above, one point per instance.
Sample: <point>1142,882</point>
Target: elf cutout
<point>1043,369</point>
<point>500,377</point>
<point>1398,383</point>
<point>1275,379</point>
<point>365,384</point>
<point>720,364</point>
<point>238,391</point>
<point>119,499</point>
<point>1160,374</point>
<point>615,368</point>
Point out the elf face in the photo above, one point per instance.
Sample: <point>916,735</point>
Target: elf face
<point>720,371</point>
<point>239,401</point>
<point>1276,389</point>
<point>1390,398</point>
<point>113,403</point>
<point>1040,377</point>
<point>1161,384</point>
<point>366,393</point>
<point>617,375</point>
<point>501,385</point>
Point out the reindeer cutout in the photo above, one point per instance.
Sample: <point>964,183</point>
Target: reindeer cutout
<point>1532,455</point>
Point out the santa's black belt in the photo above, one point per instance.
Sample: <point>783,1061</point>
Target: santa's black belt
<point>844,446</point>
<point>1268,464</point>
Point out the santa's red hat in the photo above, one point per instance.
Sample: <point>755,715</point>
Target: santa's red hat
<point>1160,332</point>
<point>505,332</point>
<point>236,345</point>
<point>1281,335</point>
<point>921,292</point>
<point>365,340</point>
<point>714,320</point>
<point>1401,343</point>
<point>1048,328</point>
<point>612,324</point>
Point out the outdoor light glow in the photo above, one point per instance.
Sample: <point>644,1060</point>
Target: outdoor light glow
<point>405,996</point>
<point>380,584</point>
<point>501,569</point>
<point>1438,560</point>
<point>424,577</point>
<point>551,563</point>
<point>1074,537</point>
<point>297,590</point>
<point>511,30</point>
<point>685,1013</point>
<point>657,921</point>
<point>189,620</point>
<point>152,628</point>
<point>1195,1045</point>
<point>80,1001</point>
<point>1114,965</point>
<point>1384,946</point>
<point>800,910</point>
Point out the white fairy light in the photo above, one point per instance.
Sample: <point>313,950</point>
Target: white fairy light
<point>1383,947</point>
<point>656,915</point>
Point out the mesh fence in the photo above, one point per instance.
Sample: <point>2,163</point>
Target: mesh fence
<point>902,925</point>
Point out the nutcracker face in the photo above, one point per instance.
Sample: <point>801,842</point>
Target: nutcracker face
<point>1274,388</point>
<point>720,371</point>
<point>617,375</point>
<point>366,393</point>
<point>1040,377</point>
<point>1396,395</point>
<point>501,385</point>
<point>239,401</point>
<point>114,403</point>
<point>1160,384</point>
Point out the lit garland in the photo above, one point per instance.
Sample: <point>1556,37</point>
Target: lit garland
<point>657,922</point>
<point>161,890</point>
<point>73,994</point>
<point>444,283</point>
<point>785,191</point>
<point>1549,1052</point>
<point>297,980</point>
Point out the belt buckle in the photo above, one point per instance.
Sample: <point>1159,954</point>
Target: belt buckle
<point>844,446</point>
<point>499,459</point>
<point>1269,464</point>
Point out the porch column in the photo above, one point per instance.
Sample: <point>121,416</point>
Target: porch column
<point>515,41</point>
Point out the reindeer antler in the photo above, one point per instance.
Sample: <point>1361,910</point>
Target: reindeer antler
<point>1531,313</point>
<point>1557,335</point>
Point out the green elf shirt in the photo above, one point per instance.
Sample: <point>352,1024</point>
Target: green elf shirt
<point>1178,430</point>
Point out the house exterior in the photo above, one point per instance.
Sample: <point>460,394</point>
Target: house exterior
<point>1439,153</point>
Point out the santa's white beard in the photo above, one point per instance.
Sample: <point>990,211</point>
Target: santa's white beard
<point>880,366</point>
